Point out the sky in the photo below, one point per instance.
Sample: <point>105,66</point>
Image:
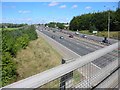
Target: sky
<point>45,12</point>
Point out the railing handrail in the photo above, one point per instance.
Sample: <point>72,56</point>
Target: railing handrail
<point>40,79</point>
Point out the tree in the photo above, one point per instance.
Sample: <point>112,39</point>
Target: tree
<point>74,24</point>
<point>92,28</point>
<point>99,20</point>
<point>60,25</point>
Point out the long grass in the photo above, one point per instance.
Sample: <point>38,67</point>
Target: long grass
<point>37,57</point>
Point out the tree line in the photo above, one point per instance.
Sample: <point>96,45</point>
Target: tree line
<point>12,42</point>
<point>56,24</point>
<point>11,25</point>
<point>96,21</point>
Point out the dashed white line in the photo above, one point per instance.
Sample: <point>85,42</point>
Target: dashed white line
<point>77,43</point>
<point>87,47</point>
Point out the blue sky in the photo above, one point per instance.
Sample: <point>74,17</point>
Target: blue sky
<point>44,12</point>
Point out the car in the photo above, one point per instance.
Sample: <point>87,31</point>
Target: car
<point>41,30</point>
<point>60,30</point>
<point>54,31</point>
<point>70,35</point>
<point>61,37</point>
<point>105,41</point>
<point>53,36</point>
<point>77,33</point>
<point>83,36</point>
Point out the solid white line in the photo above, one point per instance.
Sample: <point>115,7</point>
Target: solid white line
<point>96,65</point>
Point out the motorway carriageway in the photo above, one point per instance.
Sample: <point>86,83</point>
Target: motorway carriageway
<point>81,47</point>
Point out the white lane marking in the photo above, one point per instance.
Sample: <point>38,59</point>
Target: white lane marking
<point>87,47</point>
<point>96,47</point>
<point>96,65</point>
<point>77,43</point>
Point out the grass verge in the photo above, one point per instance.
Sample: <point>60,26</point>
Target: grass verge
<point>37,57</point>
<point>113,34</point>
<point>10,29</point>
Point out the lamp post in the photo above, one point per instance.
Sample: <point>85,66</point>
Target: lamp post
<point>108,22</point>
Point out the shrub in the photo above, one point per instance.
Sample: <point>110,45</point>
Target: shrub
<point>8,68</point>
<point>12,42</point>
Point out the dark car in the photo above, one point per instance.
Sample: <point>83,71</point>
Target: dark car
<point>105,41</point>
<point>71,36</point>
<point>83,36</point>
<point>54,31</point>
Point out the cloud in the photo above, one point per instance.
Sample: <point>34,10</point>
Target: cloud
<point>17,20</point>
<point>23,11</point>
<point>74,6</point>
<point>5,6</point>
<point>53,4</point>
<point>88,7</point>
<point>63,6</point>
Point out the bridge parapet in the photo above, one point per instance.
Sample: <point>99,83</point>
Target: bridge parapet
<point>51,78</point>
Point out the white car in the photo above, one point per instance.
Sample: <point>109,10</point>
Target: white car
<point>77,33</point>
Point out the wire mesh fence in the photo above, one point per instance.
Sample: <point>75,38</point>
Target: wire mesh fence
<point>84,76</point>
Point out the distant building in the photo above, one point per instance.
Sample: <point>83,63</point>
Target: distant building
<point>119,4</point>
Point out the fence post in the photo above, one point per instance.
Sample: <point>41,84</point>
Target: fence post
<point>65,78</point>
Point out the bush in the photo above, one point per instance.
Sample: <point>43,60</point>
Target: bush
<point>12,42</point>
<point>8,69</point>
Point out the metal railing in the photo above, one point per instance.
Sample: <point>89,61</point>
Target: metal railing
<point>55,74</point>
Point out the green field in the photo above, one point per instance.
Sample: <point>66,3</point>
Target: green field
<point>8,28</point>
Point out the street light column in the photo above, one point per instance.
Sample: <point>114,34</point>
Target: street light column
<point>109,24</point>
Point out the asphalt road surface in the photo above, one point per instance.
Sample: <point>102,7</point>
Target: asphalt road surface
<point>80,47</point>
<point>92,37</point>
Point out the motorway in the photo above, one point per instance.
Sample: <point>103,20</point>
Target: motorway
<point>80,47</point>
<point>93,37</point>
